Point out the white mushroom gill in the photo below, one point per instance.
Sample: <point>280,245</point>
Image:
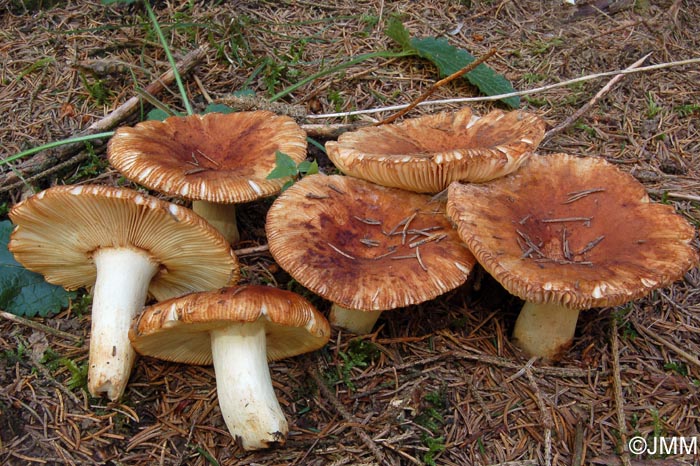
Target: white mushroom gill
<point>244,386</point>
<point>121,288</point>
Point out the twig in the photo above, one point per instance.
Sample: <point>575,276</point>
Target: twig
<point>599,95</point>
<point>546,417</point>
<point>510,94</point>
<point>436,86</point>
<point>250,251</point>
<point>578,445</point>
<point>617,391</point>
<point>46,163</point>
<point>40,327</point>
<point>349,418</point>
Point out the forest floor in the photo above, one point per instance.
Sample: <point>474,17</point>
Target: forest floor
<point>437,383</point>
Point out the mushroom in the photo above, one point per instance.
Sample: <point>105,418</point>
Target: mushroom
<point>217,160</point>
<point>566,234</point>
<point>366,248</point>
<point>125,245</point>
<point>238,329</point>
<point>425,154</point>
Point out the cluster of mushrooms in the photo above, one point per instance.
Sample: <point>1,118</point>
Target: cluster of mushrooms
<point>563,233</point>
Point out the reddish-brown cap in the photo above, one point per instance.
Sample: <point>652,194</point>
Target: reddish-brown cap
<point>425,154</point>
<point>220,158</point>
<point>573,231</point>
<point>178,329</point>
<point>59,229</point>
<point>364,246</point>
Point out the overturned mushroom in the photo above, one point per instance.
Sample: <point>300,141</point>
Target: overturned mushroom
<point>217,160</point>
<point>567,234</point>
<point>365,247</point>
<point>238,329</point>
<point>425,154</point>
<point>125,246</point>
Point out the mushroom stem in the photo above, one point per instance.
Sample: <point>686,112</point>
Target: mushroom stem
<point>220,216</point>
<point>121,288</point>
<point>545,330</point>
<point>244,387</point>
<point>356,321</point>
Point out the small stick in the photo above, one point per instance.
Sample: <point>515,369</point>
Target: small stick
<point>368,221</point>
<point>39,326</point>
<point>437,85</point>
<point>339,251</point>
<point>405,227</point>
<point>372,243</point>
<point>208,158</point>
<point>420,261</point>
<point>565,245</point>
<point>315,196</point>
<point>532,247</point>
<point>251,251</point>
<point>430,238</point>
<point>575,196</point>
<point>335,188</point>
<point>563,262</point>
<point>411,256</point>
<point>392,250</point>
<point>524,219</point>
<point>617,392</point>
<point>586,220</point>
<point>590,245</point>
<point>195,170</point>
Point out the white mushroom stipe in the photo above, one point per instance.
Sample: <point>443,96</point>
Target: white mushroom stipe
<point>246,396</point>
<point>121,288</point>
<point>359,322</point>
<point>545,330</point>
<point>220,216</point>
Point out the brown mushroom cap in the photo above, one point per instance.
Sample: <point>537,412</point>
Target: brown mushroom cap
<point>331,233</point>
<point>178,329</point>
<point>221,158</point>
<point>425,154</point>
<point>59,229</point>
<point>572,231</point>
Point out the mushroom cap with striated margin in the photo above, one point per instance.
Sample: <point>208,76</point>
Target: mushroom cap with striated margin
<point>178,329</point>
<point>58,230</point>
<point>220,158</point>
<point>331,233</point>
<point>573,231</point>
<point>427,153</point>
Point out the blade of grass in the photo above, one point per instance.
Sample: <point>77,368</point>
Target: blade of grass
<point>51,145</point>
<point>171,60</point>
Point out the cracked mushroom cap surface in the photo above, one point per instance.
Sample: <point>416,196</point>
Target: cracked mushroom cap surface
<point>573,231</point>
<point>364,246</point>
<point>57,231</point>
<point>425,154</point>
<point>178,329</point>
<point>220,158</point>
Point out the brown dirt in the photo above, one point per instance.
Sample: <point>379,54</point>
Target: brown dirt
<point>443,374</point>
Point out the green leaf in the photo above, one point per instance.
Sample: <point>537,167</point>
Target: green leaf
<point>308,168</point>
<point>396,31</point>
<point>450,59</point>
<point>218,108</point>
<point>157,115</point>
<point>284,167</point>
<point>22,292</point>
